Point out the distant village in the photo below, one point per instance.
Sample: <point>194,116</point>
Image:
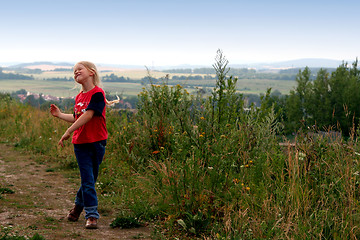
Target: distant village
<point>39,100</point>
<point>22,97</point>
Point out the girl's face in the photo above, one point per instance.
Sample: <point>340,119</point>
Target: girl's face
<point>82,74</point>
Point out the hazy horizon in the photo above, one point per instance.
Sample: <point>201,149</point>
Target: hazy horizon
<point>296,63</point>
<point>166,33</point>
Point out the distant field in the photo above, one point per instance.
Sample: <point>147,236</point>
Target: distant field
<point>133,74</point>
<point>70,89</point>
<point>64,89</point>
<point>253,86</point>
<point>58,89</point>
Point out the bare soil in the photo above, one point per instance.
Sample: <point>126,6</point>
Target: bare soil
<point>41,200</point>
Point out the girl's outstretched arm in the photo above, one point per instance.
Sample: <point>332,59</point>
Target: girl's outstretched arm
<point>82,120</point>
<point>55,111</point>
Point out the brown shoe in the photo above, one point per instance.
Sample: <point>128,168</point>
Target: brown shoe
<point>74,213</point>
<point>91,223</point>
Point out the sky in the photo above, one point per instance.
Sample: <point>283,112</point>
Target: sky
<point>174,32</point>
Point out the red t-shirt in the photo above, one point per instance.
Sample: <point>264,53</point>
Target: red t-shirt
<point>94,130</point>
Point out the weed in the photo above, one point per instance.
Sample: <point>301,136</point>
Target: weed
<point>6,190</point>
<point>6,233</point>
<point>195,224</point>
<point>138,236</point>
<point>33,227</point>
<point>125,222</point>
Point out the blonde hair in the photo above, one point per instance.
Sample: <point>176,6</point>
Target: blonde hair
<point>96,78</point>
<point>92,68</point>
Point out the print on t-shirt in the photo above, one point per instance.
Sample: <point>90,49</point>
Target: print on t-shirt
<point>80,108</point>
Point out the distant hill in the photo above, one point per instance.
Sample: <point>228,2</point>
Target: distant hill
<point>308,62</point>
<point>296,63</point>
<point>48,66</point>
<point>26,65</point>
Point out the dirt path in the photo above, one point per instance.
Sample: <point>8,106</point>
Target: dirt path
<point>42,200</point>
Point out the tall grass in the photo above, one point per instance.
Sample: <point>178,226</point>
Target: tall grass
<point>32,129</point>
<point>205,168</point>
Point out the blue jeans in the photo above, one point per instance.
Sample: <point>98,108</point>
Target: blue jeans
<point>89,157</point>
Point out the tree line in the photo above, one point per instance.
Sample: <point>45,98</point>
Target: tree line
<point>241,73</point>
<point>13,76</point>
<point>325,101</point>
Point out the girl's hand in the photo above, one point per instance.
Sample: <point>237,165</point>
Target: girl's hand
<point>54,110</point>
<point>65,137</point>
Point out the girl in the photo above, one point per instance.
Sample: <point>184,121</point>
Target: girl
<point>89,138</point>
